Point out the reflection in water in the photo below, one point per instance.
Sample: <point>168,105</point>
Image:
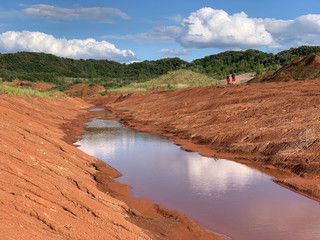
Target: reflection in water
<point>210,177</point>
<point>223,196</point>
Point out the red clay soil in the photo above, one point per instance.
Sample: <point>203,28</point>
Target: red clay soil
<point>84,90</point>
<point>49,189</point>
<point>276,125</point>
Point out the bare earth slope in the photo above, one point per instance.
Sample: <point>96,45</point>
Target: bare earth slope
<point>275,124</point>
<point>49,189</point>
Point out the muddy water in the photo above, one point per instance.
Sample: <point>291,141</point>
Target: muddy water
<point>223,196</point>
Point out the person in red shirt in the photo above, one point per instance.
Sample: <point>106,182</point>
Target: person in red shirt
<point>233,78</point>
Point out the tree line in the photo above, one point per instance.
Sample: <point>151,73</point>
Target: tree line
<point>66,71</point>
<point>222,64</point>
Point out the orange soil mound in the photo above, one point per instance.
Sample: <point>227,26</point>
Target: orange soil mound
<point>84,90</point>
<point>48,188</point>
<point>298,69</point>
<point>276,124</point>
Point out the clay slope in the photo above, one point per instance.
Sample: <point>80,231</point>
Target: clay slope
<point>47,188</point>
<point>307,68</point>
<point>275,124</point>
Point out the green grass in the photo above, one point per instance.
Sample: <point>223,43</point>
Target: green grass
<point>172,80</point>
<point>4,89</point>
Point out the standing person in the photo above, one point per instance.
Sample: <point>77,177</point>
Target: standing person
<point>233,78</point>
<point>228,79</point>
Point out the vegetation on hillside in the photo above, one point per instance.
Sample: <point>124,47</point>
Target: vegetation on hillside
<point>173,80</point>
<point>64,72</point>
<point>221,64</point>
<point>18,91</point>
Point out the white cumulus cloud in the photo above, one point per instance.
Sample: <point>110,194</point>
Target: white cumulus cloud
<point>56,12</point>
<point>209,27</point>
<point>304,30</point>
<point>40,42</point>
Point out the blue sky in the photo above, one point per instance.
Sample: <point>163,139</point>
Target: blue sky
<point>137,30</point>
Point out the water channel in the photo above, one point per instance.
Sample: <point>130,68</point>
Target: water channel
<point>221,195</point>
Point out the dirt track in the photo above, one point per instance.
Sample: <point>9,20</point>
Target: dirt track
<point>274,124</point>
<point>49,189</point>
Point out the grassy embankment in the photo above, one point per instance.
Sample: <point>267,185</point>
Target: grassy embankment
<point>173,80</point>
<point>4,89</point>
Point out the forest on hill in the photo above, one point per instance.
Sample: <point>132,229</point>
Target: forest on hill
<point>224,63</point>
<point>65,71</point>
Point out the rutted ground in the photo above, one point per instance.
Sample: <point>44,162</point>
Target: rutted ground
<point>275,124</point>
<point>48,188</point>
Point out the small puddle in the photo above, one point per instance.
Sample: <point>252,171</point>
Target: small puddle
<point>223,196</point>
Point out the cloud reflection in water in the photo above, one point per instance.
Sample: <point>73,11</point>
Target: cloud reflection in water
<point>222,195</point>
